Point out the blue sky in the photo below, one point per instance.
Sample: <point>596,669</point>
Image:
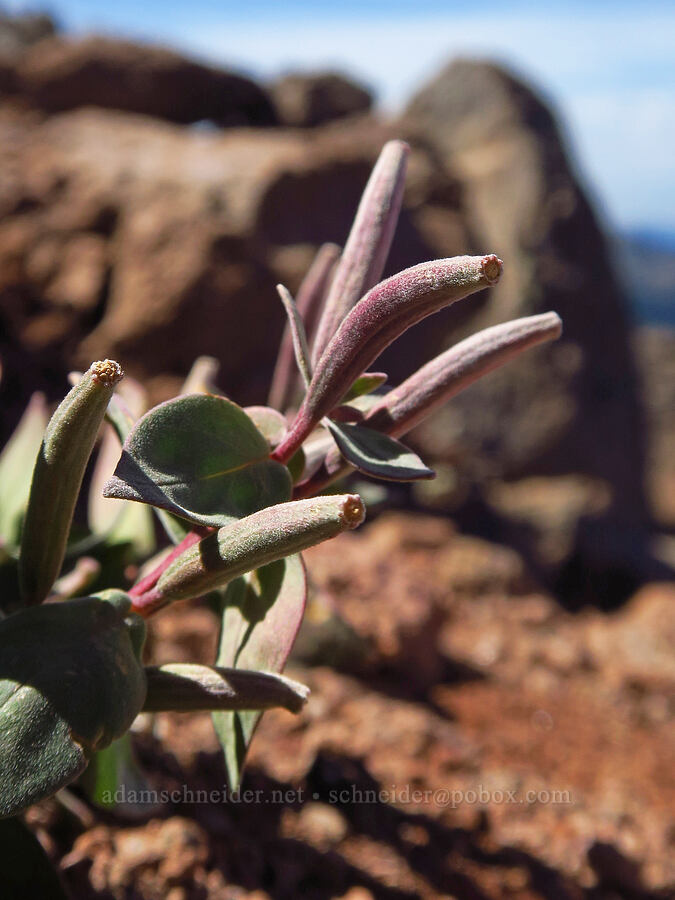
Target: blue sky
<point>608,68</point>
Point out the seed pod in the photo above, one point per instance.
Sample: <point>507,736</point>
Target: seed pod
<point>386,311</point>
<point>57,478</point>
<point>254,541</point>
<point>398,411</point>
<point>404,407</point>
<point>369,240</point>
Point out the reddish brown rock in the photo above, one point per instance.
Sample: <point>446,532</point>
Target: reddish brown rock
<point>306,100</point>
<point>572,406</point>
<point>61,73</point>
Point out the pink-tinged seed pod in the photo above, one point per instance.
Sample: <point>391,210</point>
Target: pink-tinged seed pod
<point>258,539</point>
<point>404,407</point>
<point>369,241</point>
<point>386,311</point>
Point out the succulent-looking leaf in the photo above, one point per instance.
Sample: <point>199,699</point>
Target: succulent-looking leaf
<point>373,453</point>
<point>365,384</point>
<point>186,687</point>
<point>57,477</point>
<point>309,298</point>
<point>71,682</point>
<point>295,323</point>
<point>386,311</point>
<point>369,240</point>
<point>25,869</point>
<point>259,539</point>
<point>16,467</point>
<point>270,423</point>
<point>201,458</point>
<point>261,616</point>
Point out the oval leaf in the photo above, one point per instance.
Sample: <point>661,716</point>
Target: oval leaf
<point>261,616</point>
<point>58,707</point>
<point>270,423</point>
<point>376,454</point>
<point>201,458</point>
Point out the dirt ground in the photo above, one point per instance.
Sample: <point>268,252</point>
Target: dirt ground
<point>471,739</point>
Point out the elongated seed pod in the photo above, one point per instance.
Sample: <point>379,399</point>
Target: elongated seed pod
<point>386,311</point>
<point>57,478</point>
<point>367,247</point>
<point>404,407</point>
<point>254,541</point>
<point>188,687</point>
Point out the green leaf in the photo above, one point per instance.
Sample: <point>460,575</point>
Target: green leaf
<point>376,454</point>
<point>114,775</point>
<point>71,682</point>
<point>365,384</point>
<point>16,468</point>
<point>201,458</point>
<point>261,616</point>
<point>269,422</point>
<point>25,868</point>
<point>119,520</point>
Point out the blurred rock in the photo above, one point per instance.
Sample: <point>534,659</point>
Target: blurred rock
<point>306,100</point>
<point>61,73</point>
<point>181,236</point>
<point>572,406</point>
<point>17,33</point>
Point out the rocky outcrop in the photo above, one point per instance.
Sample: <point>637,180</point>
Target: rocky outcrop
<point>572,406</point>
<point>16,34</point>
<point>304,101</point>
<point>132,238</point>
<point>60,74</point>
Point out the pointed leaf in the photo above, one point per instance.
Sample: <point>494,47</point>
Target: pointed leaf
<point>261,616</point>
<point>308,300</point>
<point>298,335</point>
<point>201,458</point>
<point>16,468</point>
<point>378,455</point>
<point>365,384</point>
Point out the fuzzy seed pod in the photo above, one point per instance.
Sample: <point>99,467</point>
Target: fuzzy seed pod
<point>57,478</point>
<point>258,539</point>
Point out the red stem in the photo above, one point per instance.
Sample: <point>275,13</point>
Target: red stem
<point>150,580</point>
